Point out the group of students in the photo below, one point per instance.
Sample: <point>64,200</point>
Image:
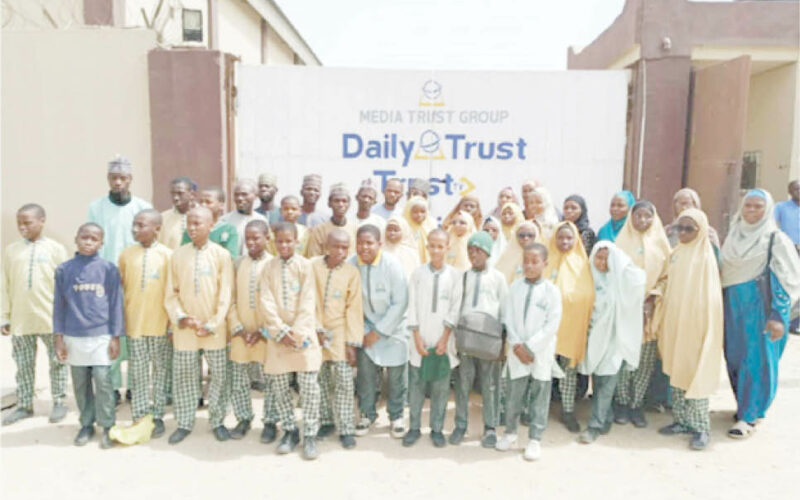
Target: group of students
<point>283,296</point>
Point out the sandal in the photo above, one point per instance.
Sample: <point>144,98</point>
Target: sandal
<point>741,430</point>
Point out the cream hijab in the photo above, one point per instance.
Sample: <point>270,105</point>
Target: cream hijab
<point>572,274</point>
<point>616,327</point>
<point>744,253</point>
<point>500,242</point>
<point>689,318</point>
<point>419,232</point>
<point>509,231</point>
<point>548,218</point>
<point>406,250</point>
<point>510,262</point>
<point>457,255</point>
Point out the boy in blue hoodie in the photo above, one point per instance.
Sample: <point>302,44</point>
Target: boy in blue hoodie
<point>88,322</point>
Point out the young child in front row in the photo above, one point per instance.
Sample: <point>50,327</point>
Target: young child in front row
<point>287,305</point>
<point>532,316</point>
<point>248,345</point>
<point>340,329</point>
<point>199,288</point>
<point>433,303</point>
<point>615,331</point>
<point>88,322</point>
<point>143,269</point>
<point>485,291</point>
<point>27,296</point>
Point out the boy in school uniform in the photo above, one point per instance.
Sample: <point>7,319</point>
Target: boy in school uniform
<point>29,267</point>
<point>339,203</point>
<point>143,269</point>
<point>88,322</point>
<point>485,290</point>
<point>199,288</point>
<point>290,212</point>
<point>245,321</point>
<point>222,233</point>
<point>287,303</point>
<point>434,299</point>
<point>183,191</point>
<point>532,316</point>
<point>385,342</point>
<point>340,328</point>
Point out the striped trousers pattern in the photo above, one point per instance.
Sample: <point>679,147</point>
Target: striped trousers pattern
<point>186,390</point>
<point>148,368</point>
<point>23,350</point>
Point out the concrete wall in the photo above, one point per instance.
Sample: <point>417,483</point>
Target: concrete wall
<point>772,108</point>
<point>169,21</point>
<point>240,30</point>
<point>30,14</point>
<point>276,51</point>
<point>74,99</point>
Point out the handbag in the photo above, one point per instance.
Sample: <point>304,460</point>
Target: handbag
<point>434,366</point>
<point>763,281</point>
<point>479,334</point>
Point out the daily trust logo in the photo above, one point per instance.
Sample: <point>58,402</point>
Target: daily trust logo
<point>433,143</point>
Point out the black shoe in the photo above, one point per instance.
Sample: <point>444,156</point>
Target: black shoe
<point>221,433</point>
<point>637,418</point>
<point>570,422</point>
<point>310,451</point>
<point>438,439</point>
<point>105,439</point>
<point>411,437</point>
<point>258,386</point>
<point>58,413</point>
<point>240,430</point>
<point>17,415</point>
<point>289,441</point>
<point>348,441</point>
<point>325,431</point>
<point>117,398</point>
<point>128,396</point>
<point>489,439</point>
<point>84,435</point>
<point>457,436</point>
<point>178,436</point>
<point>621,415</point>
<point>699,441</point>
<point>158,428</point>
<point>269,433</point>
<point>672,429</point>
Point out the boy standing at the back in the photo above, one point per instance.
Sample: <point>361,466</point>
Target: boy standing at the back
<point>143,268</point>
<point>88,322</point>
<point>29,267</point>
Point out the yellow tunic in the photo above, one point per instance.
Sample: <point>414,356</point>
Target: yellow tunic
<point>27,288</point>
<point>318,238</point>
<point>339,306</point>
<point>572,275</point>
<point>245,313</point>
<point>143,272</point>
<point>173,224</point>
<point>287,302</point>
<point>200,284</point>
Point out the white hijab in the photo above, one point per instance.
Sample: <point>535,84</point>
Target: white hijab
<point>744,253</point>
<point>617,324</point>
<point>499,245</point>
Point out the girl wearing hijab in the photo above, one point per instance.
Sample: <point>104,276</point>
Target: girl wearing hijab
<point>621,203</point>
<point>420,223</point>
<point>468,203</point>
<point>510,217</point>
<point>689,322</point>
<point>510,262</point>
<point>527,188</point>
<point>644,241</point>
<point>539,207</point>
<point>683,199</point>
<point>761,280</point>
<point>568,267</point>
<point>576,212</point>
<point>506,195</point>
<point>493,226</point>
<point>461,228</point>
<point>400,243</point>
<point>615,332</point>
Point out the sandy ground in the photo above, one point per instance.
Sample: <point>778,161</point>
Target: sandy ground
<point>39,460</point>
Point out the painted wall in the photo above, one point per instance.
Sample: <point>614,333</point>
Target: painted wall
<point>74,100</point>
<point>771,116</point>
<point>240,30</point>
<point>30,14</point>
<point>277,51</point>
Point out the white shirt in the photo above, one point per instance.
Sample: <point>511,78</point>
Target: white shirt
<point>434,299</point>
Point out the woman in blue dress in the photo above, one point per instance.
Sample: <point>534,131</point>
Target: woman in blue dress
<point>760,280</point>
